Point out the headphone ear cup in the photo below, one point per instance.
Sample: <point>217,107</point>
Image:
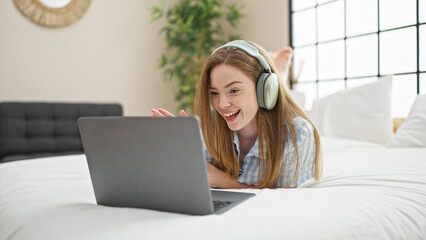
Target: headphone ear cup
<point>259,89</point>
<point>267,90</point>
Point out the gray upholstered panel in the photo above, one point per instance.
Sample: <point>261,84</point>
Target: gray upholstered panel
<point>37,129</point>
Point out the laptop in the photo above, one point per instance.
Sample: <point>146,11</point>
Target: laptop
<point>152,163</point>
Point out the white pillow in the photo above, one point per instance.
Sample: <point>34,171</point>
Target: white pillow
<point>412,132</point>
<point>361,113</point>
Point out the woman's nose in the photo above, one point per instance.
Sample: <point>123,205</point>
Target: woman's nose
<point>224,102</point>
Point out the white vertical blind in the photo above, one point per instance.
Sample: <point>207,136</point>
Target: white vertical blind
<point>361,17</point>
<point>396,13</point>
<point>398,53</point>
<point>331,60</point>
<point>422,48</point>
<point>305,63</point>
<point>298,5</point>
<point>422,11</point>
<point>304,27</point>
<point>323,1</point>
<point>331,21</point>
<point>362,56</point>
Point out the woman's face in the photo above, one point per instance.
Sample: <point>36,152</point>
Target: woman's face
<point>233,95</point>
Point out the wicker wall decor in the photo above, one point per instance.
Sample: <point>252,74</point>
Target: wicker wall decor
<point>51,13</point>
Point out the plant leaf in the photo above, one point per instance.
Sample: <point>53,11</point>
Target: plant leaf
<point>157,12</point>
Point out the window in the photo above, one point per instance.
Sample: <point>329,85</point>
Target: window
<point>340,44</point>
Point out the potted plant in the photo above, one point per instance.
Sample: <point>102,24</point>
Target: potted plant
<point>193,29</point>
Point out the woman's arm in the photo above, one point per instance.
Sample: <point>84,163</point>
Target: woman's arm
<point>218,179</point>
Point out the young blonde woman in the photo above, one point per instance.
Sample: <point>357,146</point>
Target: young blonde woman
<point>255,134</point>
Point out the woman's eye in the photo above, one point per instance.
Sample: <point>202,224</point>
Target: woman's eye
<point>214,93</point>
<point>234,91</point>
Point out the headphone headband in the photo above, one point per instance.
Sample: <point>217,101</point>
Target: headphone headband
<point>249,49</point>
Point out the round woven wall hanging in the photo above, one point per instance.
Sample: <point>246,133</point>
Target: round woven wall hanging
<point>53,13</point>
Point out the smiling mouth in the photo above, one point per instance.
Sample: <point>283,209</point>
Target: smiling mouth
<point>231,116</point>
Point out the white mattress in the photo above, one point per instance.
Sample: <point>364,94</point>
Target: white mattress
<point>367,192</point>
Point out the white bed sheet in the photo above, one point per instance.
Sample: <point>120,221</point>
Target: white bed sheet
<point>367,192</point>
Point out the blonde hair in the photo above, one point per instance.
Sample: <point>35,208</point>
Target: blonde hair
<point>274,126</point>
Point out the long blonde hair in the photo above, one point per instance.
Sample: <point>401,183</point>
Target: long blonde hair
<point>274,126</point>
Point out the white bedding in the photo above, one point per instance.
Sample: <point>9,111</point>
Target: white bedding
<point>367,192</point>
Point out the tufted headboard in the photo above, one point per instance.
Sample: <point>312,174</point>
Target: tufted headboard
<point>37,129</point>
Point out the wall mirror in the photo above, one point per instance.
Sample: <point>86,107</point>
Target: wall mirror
<point>53,13</point>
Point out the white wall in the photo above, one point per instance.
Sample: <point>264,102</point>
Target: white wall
<point>110,55</point>
<point>266,22</point>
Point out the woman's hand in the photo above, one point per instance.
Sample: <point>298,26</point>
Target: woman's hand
<point>219,179</point>
<point>216,177</point>
<point>164,113</point>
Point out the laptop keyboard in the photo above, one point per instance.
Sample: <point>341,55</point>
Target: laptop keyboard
<point>220,204</point>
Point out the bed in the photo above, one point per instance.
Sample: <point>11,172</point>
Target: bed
<point>368,191</point>
<point>372,188</point>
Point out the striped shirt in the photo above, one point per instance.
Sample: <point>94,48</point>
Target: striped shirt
<point>249,172</point>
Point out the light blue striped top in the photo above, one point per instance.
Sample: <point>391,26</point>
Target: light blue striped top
<point>249,172</point>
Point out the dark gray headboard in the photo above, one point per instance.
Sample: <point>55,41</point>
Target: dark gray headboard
<point>37,129</point>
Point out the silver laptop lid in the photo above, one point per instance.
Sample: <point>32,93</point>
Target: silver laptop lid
<point>144,162</point>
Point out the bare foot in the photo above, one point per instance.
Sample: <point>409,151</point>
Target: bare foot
<point>282,60</point>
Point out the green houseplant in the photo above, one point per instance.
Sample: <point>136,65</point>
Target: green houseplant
<point>193,29</point>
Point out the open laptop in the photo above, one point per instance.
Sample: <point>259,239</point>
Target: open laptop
<point>153,163</point>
